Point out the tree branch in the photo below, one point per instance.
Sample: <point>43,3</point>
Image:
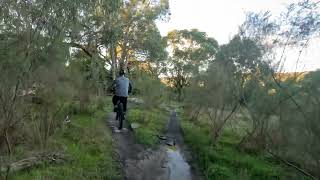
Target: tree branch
<point>292,165</point>
<point>82,48</point>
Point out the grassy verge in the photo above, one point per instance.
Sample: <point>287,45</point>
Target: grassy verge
<point>152,123</point>
<point>88,144</point>
<point>224,161</point>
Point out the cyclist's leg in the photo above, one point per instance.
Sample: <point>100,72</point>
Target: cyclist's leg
<point>123,108</point>
<point>115,100</point>
<point>120,115</point>
<point>124,102</point>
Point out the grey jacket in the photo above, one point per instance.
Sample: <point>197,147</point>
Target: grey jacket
<point>122,86</point>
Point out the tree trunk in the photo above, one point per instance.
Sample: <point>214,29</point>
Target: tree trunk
<point>113,60</point>
<point>8,144</point>
<point>179,94</point>
<point>123,59</point>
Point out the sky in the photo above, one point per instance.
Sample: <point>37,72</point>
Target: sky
<point>220,19</point>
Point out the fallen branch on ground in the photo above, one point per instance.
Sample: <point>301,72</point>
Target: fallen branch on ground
<point>34,161</point>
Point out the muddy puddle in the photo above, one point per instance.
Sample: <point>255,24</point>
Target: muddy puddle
<point>177,166</point>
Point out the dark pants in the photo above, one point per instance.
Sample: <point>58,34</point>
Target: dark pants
<point>123,100</point>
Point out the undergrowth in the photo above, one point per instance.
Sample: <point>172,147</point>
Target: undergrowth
<point>151,123</point>
<point>224,161</point>
<point>87,143</point>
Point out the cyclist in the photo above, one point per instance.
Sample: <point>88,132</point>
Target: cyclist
<point>122,87</point>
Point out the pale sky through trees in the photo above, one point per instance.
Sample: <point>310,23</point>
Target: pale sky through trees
<point>221,18</point>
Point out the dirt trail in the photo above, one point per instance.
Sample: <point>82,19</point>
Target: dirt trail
<point>161,163</point>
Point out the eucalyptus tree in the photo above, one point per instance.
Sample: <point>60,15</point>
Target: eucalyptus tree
<point>140,38</point>
<point>191,53</point>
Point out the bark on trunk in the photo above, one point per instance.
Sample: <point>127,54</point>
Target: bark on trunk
<point>113,60</point>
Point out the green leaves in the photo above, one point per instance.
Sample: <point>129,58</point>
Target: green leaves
<point>242,53</point>
<point>192,45</point>
<point>191,51</point>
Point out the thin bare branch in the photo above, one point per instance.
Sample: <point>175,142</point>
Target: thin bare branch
<point>304,172</point>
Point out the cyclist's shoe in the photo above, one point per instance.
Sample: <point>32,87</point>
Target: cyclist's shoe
<point>116,130</point>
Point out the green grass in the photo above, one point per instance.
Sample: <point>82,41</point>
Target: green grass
<point>152,123</point>
<point>224,161</point>
<point>88,145</point>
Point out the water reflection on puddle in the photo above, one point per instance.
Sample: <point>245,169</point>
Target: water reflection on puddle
<point>179,169</point>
